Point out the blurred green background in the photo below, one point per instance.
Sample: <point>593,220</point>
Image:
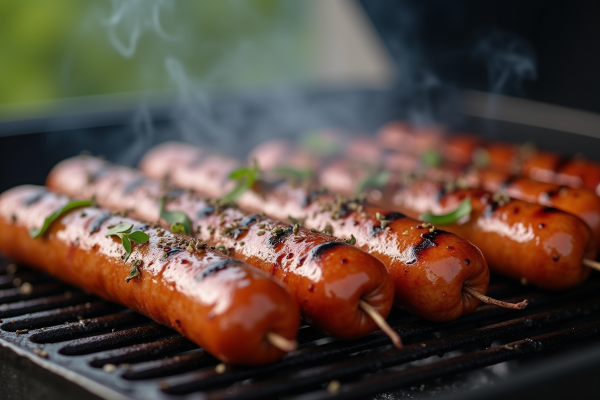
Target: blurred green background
<point>62,48</point>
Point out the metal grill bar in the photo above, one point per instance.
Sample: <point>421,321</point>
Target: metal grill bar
<point>459,364</point>
<point>416,351</point>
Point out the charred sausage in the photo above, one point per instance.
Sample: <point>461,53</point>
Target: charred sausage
<point>329,278</point>
<point>428,267</point>
<point>222,304</point>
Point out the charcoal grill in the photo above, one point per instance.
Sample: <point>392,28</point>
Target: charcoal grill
<point>59,342</point>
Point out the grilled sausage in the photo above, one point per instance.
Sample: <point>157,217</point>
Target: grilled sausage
<point>344,176</point>
<point>428,268</point>
<point>328,278</point>
<point>222,304</point>
<point>526,228</point>
<point>542,245</point>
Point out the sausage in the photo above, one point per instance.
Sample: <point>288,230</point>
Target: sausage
<point>521,240</point>
<point>344,176</point>
<point>428,269</point>
<point>329,278</point>
<point>222,304</point>
<point>510,240</point>
<point>515,159</point>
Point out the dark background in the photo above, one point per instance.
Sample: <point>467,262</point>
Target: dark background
<point>564,37</point>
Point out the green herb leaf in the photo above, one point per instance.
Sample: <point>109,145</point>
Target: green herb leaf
<point>463,209</point>
<point>134,270</point>
<point>431,158</point>
<point>246,177</point>
<point>120,228</point>
<point>36,233</point>
<point>126,245</point>
<point>295,174</point>
<point>374,181</point>
<point>178,220</point>
<point>316,143</point>
<point>138,237</point>
<point>481,158</point>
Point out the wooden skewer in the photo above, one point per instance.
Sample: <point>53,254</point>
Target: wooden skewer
<point>486,299</point>
<point>281,343</point>
<point>381,322</point>
<point>592,264</point>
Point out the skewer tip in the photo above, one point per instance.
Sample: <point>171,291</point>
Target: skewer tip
<point>281,342</point>
<point>489,300</point>
<point>591,264</point>
<point>381,323</point>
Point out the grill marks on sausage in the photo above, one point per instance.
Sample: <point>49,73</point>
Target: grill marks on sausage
<point>427,242</point>
<point>280,237</point>
<point>312,196</point>
<point>205,212</point>
<point>99,173</point>
<point>215,267</point>
<point>34,198</point>
<point>390,217</point>
<point>98,221</point>
<point>320,250</point>
<point>135,183</point>
<point>509,181</point>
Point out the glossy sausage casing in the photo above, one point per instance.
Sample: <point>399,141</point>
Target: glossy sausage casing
<point>428,269</point>
<point>222,304</point>
<point>327,277</point>
<point>543,245</point>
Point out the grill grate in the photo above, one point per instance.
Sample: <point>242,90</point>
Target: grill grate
<point>117,353</point>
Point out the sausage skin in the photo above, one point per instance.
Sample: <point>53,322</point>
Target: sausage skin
<point>428,269</point>
<point>327,277</point>
<point>222,304</point>
<point>543,245</point>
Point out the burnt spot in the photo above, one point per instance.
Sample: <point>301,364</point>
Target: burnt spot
<point>467,261</point>
<point>99,173</point>
<point>516,210</point>
<point>175,193</point>
<point>98,221</point>
<point>541,226</point>
<point>312,196</point>
<point>280,237</point>
<point>509,181</point>
<point>134,184</point>
<point>427,242</point>
<point>216,267</point>
<point>249,220</point>
<point>205,211</point>
<point>549,210</point>
<point>34,198</point>
<point>320,250</point>
<point>490,209</point>
<point>555,258</point>
<point>311,288</point>
<point>389,217</point>
<point>344,261</point>
<point>178,323</point>
<point>442,191</point>
<point>141,227</point>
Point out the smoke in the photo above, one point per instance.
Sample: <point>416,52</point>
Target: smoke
<point>129,20</point>
<point>509,59</point>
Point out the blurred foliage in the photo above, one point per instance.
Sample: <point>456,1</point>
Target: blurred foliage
<point>62,48</point>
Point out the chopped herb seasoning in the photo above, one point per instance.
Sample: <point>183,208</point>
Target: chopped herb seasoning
<point>134,271</point>
<point>352,240</point>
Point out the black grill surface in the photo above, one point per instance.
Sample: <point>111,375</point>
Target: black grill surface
<point>115,353</point>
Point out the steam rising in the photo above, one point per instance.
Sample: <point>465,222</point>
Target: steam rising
<point>204,116</point>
